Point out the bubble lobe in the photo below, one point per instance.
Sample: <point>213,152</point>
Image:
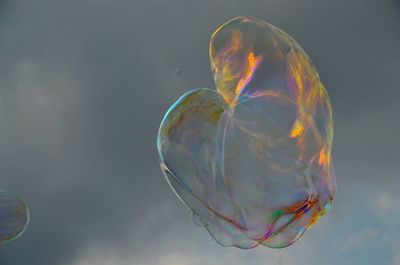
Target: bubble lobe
<point>252,159</point>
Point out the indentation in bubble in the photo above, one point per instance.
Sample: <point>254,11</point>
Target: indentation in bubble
<point>252,159</point>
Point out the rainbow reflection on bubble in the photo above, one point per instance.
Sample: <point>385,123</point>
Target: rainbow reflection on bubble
<point>252,159</point>
<point>14,216</point>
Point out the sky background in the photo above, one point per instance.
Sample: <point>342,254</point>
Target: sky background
<point>84,85</point>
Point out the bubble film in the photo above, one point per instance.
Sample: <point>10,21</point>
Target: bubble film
<point>252,159</point>
<point>14,217</point>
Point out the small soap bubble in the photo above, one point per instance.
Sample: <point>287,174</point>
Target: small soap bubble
<point>178,72</point>
<point>14,216</point>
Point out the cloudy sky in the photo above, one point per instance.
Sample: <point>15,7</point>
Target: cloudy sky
<point>84,85</point>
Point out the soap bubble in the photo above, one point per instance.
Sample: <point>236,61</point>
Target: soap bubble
<point>14,216</point>
<point>252,159</point>
<point>178,72</point>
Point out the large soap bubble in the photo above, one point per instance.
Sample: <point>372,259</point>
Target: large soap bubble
<point>14,216</point>
<point>252,160</point>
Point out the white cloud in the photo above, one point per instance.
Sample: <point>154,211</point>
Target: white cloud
<point>302,253</point>
<point>397,259</point>
<point>387,208</point>
<point>98,256</point>
<point>360,239</point>
<point>102,256</point>
<point>387,203</point>
<point>186,244</point>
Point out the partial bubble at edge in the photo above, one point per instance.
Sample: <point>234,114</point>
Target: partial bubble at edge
<point>14,217</point>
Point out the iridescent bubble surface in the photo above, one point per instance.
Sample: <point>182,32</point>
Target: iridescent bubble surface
<point>252,159</point>
<point>14,216</point>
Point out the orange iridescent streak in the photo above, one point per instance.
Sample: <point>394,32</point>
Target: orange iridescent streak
<point>226,70</point>
<point>297,129</point>
<point>297,71</point>
<point>299,209</point>
<point>323,160</point>
<point>230,74</point>
<point>307,91</point>
<point>249,68</point>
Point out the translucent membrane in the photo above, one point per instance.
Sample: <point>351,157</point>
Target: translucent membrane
<point>252,159</point>
<point>14,216</point>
